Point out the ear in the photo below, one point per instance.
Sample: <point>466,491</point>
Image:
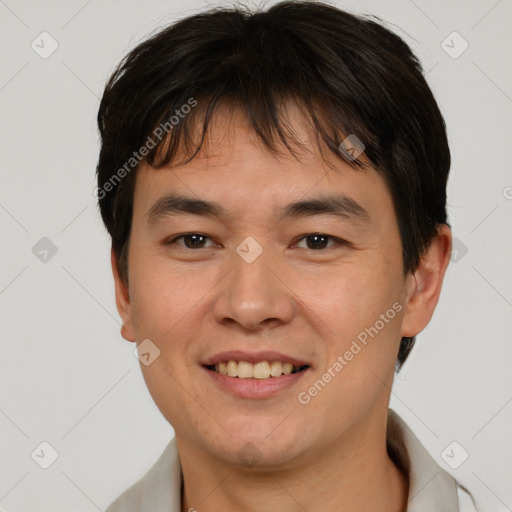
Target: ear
<point>424,285</point>
<point>122,300</point>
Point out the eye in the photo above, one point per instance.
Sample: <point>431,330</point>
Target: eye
<point>318,241</point>
<point>190,240</point>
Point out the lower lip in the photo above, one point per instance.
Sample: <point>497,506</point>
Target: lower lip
<point>255,388</point>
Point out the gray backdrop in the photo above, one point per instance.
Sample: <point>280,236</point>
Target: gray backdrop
<point>68,379</point>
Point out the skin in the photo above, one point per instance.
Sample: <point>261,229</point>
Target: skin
<point>309,303</point>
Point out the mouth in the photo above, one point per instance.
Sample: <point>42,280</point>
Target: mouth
<point>261,370</point>
<point>260,375</point>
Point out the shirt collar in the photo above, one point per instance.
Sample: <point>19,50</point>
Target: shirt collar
<point>431,489</point>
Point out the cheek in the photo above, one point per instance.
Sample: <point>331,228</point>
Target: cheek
<point>363,311</point>
<point>348,299</point>
<point>164,294</point>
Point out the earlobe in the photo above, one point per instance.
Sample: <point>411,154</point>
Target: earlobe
<point>122,300</point>
<point>424,285</point>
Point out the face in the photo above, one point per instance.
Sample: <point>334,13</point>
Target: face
<point>252,279</point>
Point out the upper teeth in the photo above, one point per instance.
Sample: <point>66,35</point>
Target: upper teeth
<point>261,370</point>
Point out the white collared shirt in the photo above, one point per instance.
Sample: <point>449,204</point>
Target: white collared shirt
<point>431,488</point>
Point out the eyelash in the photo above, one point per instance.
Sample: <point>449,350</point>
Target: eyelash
<point>337,241</point>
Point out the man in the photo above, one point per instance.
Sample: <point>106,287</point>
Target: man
<point>275,187</point>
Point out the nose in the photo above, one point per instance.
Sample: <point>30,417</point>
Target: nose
<point>254,295</point>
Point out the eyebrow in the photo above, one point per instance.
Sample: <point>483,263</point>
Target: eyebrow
<point>338,205</point>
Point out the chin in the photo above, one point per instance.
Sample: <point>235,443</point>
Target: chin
<point>258,457</point>
<point>259,444</point>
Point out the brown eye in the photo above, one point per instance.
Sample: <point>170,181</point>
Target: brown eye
<point>190,241</point>
<point>318,241</point>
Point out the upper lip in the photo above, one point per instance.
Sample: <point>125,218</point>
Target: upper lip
<point>253,357</point>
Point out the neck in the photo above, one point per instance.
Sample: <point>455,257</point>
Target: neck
<point>354,474</point>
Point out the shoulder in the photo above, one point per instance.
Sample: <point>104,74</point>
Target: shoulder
<point>159,490</point>
<point>466,502</point>
<point>430,486</point>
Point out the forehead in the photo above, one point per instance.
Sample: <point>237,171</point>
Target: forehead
<point>234,166</point>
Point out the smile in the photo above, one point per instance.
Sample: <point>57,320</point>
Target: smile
<point>260,370</point>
